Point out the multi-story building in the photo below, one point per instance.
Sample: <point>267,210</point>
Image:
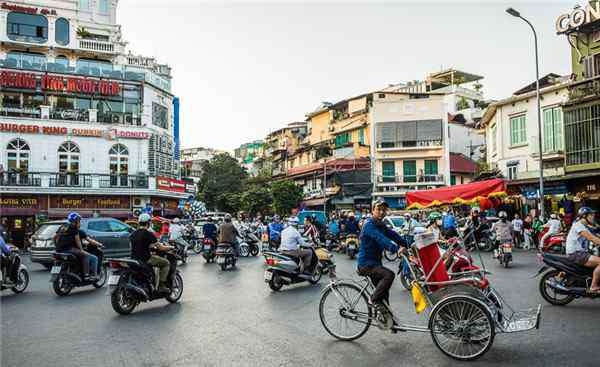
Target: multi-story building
<point>282,143</point>
<point>84,124</point>
<point>247,153</point>
<point>581,110</point>
<point>192,160</point>
<point>511,130</point>
<point>416,127</point>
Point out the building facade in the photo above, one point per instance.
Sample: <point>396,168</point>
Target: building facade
<point>84,124</point>
<point>248,153</point>
<point>192,160</point>
<point>416,128</point>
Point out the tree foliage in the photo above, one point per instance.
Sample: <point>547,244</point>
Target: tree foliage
<point>221,177</point>
<point>286,196</point>
<point>257,199</point>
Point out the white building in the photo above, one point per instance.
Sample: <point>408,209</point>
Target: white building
<point>84,124</point>
<point>511,131</point>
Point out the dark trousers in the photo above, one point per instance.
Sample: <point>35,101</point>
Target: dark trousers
<point>382,279</point>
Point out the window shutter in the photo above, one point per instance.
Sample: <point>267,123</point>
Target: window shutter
<point>588,66</point>
<point>548,127</point>
<point>558,129</point>
<point>429,130</point>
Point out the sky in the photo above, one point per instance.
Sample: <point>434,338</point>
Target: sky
<point>244,69</point>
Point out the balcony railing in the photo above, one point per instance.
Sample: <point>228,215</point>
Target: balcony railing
<point>413,144</point>
<point>20,179</point>
<point>98,46</point>
<point>73,180</point>
<point>411,180</point>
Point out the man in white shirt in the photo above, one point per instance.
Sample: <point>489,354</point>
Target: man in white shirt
<point>291,242</point>
<point>517,227</point>
<point>176,233</point>
<point>553,226</point>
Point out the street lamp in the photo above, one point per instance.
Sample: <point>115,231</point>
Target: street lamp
<point>516,14</point>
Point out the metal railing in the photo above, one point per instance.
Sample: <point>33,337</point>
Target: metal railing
<point>20,179</point>
<point>70,180</point>
<point>124,181</point>
<point>416,179</point>
<point>93,45</point>
<point>73,180</point>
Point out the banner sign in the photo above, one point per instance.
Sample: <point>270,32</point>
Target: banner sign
<point>110,134</point>
<point>90,202</point>
<point>170,184</point>
<point>54,83</point>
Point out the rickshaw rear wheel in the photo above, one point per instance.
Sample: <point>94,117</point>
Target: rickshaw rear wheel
<point>462,327</point>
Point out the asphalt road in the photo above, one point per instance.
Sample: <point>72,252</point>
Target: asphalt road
<point>233,319</point>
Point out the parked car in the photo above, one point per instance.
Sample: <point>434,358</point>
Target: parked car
<point>112,233</point>
<point>394,222</point>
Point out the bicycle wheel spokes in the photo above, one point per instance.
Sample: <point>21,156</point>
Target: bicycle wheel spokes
<point>344,311</point>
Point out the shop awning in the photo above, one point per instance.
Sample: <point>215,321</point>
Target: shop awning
<point>112,213</point>
<point>469,193</point>
<point>313,202</point>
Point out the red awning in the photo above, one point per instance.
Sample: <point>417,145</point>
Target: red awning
<point>459,194</point>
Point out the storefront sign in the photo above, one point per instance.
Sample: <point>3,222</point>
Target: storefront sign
<point>25,9</point>
<point>578,17</point>
<point>170,204</point>
<point>20,202</point>
<point>53,83</point>
<point>59,130</point>
<point>90,202</point>
<point>170,184</point>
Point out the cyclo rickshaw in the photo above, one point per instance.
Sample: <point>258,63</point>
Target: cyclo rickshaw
<point>464,312</point>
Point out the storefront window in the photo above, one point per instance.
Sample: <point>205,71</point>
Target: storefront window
<point>68,158</point>
<point>28,60</point>
<point>18,155</point>
<point>119,165</point>
<point>62,31</point>
<point>18,105</point>
<point>32,100</point>
<point>27,27</point>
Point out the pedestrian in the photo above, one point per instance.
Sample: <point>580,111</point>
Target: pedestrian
<point>517,230</point>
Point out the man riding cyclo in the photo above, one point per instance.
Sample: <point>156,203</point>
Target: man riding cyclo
<point>376,237</point>
<point>142,242</point>
<point>578,244</point>
<point>68,240</point>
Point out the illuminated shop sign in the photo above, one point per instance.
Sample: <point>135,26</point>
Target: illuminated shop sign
<point>53,83</point>
<point>110,134</point>
<point>578,17</point>
<point>28,10</point>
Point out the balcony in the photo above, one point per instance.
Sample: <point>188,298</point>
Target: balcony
<point>409,145</point>
<point>57,181</point>
<point>20,179</point>
<point>416,180</point>
<point>585,89</point>
<point>96,46</point>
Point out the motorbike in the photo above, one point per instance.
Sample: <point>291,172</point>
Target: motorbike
<point>285,270</point>
<point>504,253</point>
<point>208,250</point>
<point>66,273</point>
<point>181,250</point>
<point>555,244</point>
<point>563,281</point>
<point>480,238</point>
<point>132,282</point>
<point>351,245</point>
<point>191,236</point>
<point>17,277</point>
<point>331,241</point>
<point>225,256</point>
<point>249,242</point>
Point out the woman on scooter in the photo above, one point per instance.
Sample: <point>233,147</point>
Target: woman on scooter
<point>578,243</point>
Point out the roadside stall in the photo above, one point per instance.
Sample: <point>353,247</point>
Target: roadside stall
<point>484,193</point>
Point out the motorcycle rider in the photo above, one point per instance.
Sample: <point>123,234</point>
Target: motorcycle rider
<point>578,242</point>
<point>68,240</point>
<point>209,230</point>
<point>229,234</point>
<point>351,225</point>
<point>435,225</point>
<point>410,224</point>
<point>449,224</point>
<point>142,241</point>
<point>7,265</point>
<point>274,231</point>
<point>503,230</point>
<point>291,242</point>
<point>310,230</point>
<point>375,237</point>
<point>553,226</point>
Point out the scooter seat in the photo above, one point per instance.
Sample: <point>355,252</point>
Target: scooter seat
<point>65,256</point>
<point>563,263</point>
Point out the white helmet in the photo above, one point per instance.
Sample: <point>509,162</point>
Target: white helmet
<point>176,220</point>
<point>553,216</point>
<point>293,221</point>
<point>144,217</point>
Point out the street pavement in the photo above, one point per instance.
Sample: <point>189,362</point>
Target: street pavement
<point>232,318</point>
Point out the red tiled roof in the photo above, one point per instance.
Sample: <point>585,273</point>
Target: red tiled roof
<point>461,164</point>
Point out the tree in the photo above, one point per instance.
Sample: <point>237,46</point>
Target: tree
<point>229,202</point>
<point>286,196</point>
<point>221,175</point>
<point>257,199</point>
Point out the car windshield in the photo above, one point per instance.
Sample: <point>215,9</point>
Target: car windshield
<point>47,230</point>
<point>398,222</point>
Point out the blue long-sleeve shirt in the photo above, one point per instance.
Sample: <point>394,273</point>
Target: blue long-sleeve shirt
<point>275,230</point>
<point>210,230</point>
<point>4,248</point>
<point>449,222</point>
<point>374,238</point>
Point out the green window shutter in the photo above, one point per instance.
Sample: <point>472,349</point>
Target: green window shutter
<point>431,167</point>
<point>410,171</point>
<point>523,130</point>
<point>452,180</point>
<point>548,127</point>
<point>513,131</point>
<point>361,136</point>
<point>558,129</point>
<point>389,171</point>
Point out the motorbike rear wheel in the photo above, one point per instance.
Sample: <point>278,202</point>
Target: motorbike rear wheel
<point>103,277</point>
<point>176,290</point>
<point>275,283</point>
<point>197,247</point>
<point>254,250</point>
<point>121,302</point>
<point>62,286</point>
<point>316,276</point>
<point>550,294</point>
